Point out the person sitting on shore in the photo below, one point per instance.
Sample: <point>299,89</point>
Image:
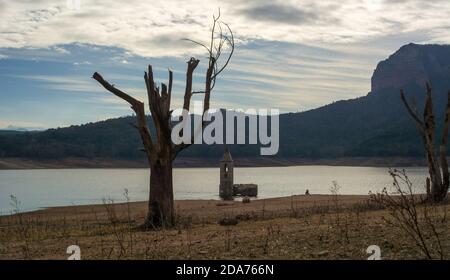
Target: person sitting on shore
<point>307,192</point>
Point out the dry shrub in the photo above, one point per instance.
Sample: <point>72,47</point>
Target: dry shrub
<point>422,221</point>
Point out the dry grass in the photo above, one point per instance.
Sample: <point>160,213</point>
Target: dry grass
<point>300,227</point>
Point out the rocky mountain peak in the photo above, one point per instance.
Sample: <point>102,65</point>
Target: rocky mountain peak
<point>412,63</point>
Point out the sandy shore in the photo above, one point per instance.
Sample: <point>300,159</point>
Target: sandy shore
<point>297,227</point>
<point>202,210</point>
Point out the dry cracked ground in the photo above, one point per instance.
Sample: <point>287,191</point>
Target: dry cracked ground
<point>298,227</point>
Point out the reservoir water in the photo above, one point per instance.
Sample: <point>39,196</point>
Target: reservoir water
<point>61,187</point>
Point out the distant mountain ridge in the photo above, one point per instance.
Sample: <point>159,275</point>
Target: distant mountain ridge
<point>375,125</point>
<point>21,128</point>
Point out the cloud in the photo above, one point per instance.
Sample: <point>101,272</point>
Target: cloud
<point>82,63</point>
<point>63,83</point>
<point>60,50</point>
<point>11,124</point>
<point>155,28</point>
<point>279,13</point>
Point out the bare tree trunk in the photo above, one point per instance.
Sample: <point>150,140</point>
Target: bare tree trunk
<point>161,208</point>
<point>438,182</point>
<point>443,151</point>
<point>429,131</point>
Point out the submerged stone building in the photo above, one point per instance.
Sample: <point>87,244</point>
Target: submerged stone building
<point>226,176</point>
<point>227,188</point>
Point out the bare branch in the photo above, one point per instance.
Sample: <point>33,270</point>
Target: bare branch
<point>132,101</point>
<point>231,43</point>
<point>158,104</point>
<point>212,35</point>
<point>170,90</point>
<point>138,108</point>
<point>192,64</point>
<point>133,125</point>
<point>151,89</point>
<point>200,44</point>
<point>420,123</point>
<point>428,115</point>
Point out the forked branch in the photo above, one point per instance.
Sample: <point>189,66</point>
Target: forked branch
<point>219,38</point>
<point>215,51</point>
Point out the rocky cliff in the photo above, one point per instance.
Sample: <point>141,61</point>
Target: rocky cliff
<point>412,64</point>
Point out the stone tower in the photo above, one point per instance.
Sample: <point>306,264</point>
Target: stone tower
<point>226,176</point>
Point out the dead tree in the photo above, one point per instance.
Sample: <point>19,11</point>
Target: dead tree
<point>438,182</point>
<point>159,148</point>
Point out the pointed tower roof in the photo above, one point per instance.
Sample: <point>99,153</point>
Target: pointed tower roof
<point>227,155</point>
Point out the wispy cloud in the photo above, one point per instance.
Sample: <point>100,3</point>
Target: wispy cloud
<point>147,28</point>
<point>63,83</point>
<point>82,63</point>
<point>279,13</point>
<point>60,50</point>
<point>19,124</point>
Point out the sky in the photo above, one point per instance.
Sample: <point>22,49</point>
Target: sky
<point>292,55</point>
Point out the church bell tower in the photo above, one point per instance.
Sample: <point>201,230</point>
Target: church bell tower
<point>226,176</point>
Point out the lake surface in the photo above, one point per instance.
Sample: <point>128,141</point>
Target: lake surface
<point>60,187</point>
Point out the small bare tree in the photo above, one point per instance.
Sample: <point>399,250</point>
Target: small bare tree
<point>438,183</point>
<point>160,150</point>
<point>421,221</point>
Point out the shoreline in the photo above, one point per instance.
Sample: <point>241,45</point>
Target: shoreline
<point>105,163</point>
<point>210,208</point>
<point>197,206</point>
